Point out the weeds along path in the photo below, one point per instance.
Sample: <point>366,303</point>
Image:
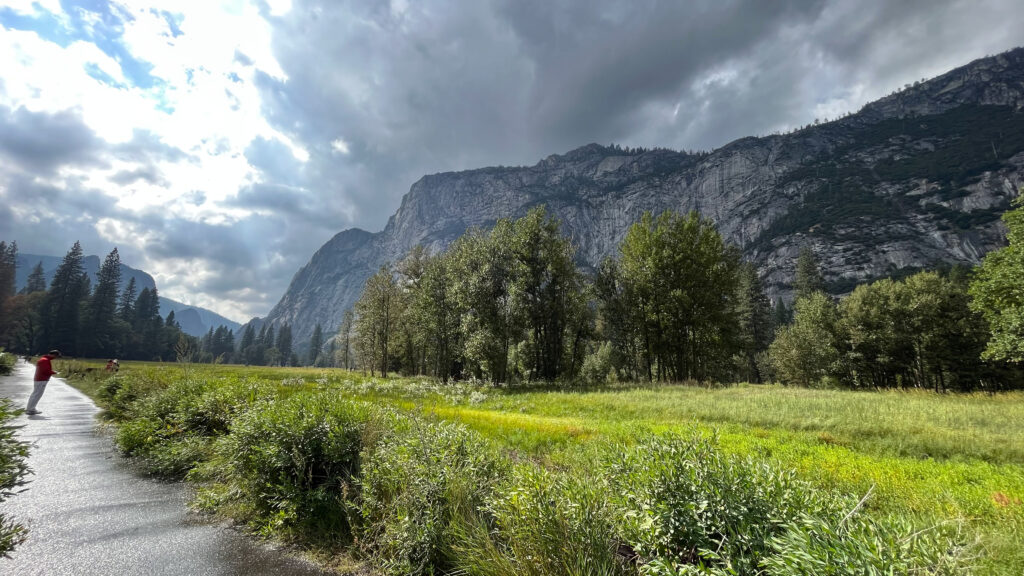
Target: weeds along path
<point>88,513</point>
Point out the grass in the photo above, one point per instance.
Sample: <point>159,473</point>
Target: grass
<point>931,458</point>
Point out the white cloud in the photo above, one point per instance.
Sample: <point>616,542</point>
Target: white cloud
<point>340,146</point>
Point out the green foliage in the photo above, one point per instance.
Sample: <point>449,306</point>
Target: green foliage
<point>919,332</point>
<point>807,278</point>
<point>677,282</point>
<point>996,289</point>
<point>292,462</point>
<point>419,482</point>
<point>685,506</point>
<point>541,523</point>
<point>13,472</point>
<point>806,351</point>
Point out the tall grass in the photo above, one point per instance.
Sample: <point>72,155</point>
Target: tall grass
<point>419,478</point>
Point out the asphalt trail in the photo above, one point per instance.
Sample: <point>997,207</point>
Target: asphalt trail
<point>89,513</point>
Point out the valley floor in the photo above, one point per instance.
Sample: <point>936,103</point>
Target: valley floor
<point>934,458</point>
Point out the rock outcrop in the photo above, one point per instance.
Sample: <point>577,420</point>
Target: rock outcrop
<point>915,180</point>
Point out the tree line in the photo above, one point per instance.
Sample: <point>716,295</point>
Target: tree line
<point>107,321</point>
<point>677,303</point>
<point>79,319</point>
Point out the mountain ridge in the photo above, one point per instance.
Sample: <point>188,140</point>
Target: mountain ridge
<point>904,183</point>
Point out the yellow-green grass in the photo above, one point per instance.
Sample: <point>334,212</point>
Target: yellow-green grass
<point>936,457</point>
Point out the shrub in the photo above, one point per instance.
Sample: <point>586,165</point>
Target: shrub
<point>172,430</point>
<point>422,483</point>
<point>686,509</point>
<point>7,361</point>
<point>13,470</point>
<point>597,367</point>
<point>291,463</point>
<point>546,523</point>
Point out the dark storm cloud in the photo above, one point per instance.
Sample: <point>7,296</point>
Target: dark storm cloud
<point>40,142</point>
<point>455,85</point>
<point>379,96</point>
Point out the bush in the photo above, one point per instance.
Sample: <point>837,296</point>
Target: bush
<point>422,483</point>
<point>597,367</point>
<point>292,462</point>
<point>7,361</point>
<point>13,470</point>
<point>686,509</point>
<point>546,523</point>
<point>172,430</point>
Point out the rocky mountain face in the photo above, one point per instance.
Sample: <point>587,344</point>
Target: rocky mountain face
<point>915,180</point>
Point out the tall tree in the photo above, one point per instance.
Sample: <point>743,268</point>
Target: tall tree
<point>284,343</point>
<point>126,306</point>
<point>997,294</point>
<point>681,278</point>
<point>247,343</point>
<point>8,263</point>
<point>344,339</point>
<point>807,279</point>
<point>377,318</point>
<point>807,350</point>
<point>100,334</point>
<point>316,344</point>
<point>755,321</point>
<point>63,300</point>
<point>36,280</point>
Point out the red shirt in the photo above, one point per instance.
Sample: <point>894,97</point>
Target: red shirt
<point>43,368</point>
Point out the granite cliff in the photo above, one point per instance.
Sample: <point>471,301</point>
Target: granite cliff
<point>917,179</point>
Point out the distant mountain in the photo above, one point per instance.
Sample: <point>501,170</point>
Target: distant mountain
<point>193,319</point>
<point>917,179</point>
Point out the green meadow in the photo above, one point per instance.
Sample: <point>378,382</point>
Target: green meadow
<point>950,463</point>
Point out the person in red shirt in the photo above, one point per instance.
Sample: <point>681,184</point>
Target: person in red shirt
<point>43,372</point>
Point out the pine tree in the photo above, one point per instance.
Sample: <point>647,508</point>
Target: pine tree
<point>316,343</point>
<point>755,320</point>
<point>61,308</point>
<point>36,280</point>
<point>100,333</point>
<point>8,264</point>
<point>284,343</point>
<point>247,343</point>
<point>126,307</point>
<point>807,279</point>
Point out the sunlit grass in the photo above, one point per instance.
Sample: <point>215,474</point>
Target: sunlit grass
<point>935,457</point>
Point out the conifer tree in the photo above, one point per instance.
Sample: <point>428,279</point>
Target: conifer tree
<point>755,320</point>
<point>316,343</point>
<point>8,263</point>
<point>284,343</point>
<point>126,307</point>
<point>61,308</point>
<point>100,332</point>
<point>36,280</point>
<point>807,278</point>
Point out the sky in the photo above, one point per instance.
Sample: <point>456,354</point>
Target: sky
<point>218,145</point>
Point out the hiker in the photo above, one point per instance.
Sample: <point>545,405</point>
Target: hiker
<point>43,372</point>
<point>110,365</point>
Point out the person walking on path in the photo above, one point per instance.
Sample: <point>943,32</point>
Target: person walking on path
<point>43,372</point>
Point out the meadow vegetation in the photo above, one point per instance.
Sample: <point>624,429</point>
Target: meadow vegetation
<point>413,476</point>
<point>13,466</point>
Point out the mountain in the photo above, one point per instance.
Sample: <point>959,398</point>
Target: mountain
<point>193,319</point>
<point>916,179</point>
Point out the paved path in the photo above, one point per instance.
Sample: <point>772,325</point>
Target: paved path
<point>89,513</point>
